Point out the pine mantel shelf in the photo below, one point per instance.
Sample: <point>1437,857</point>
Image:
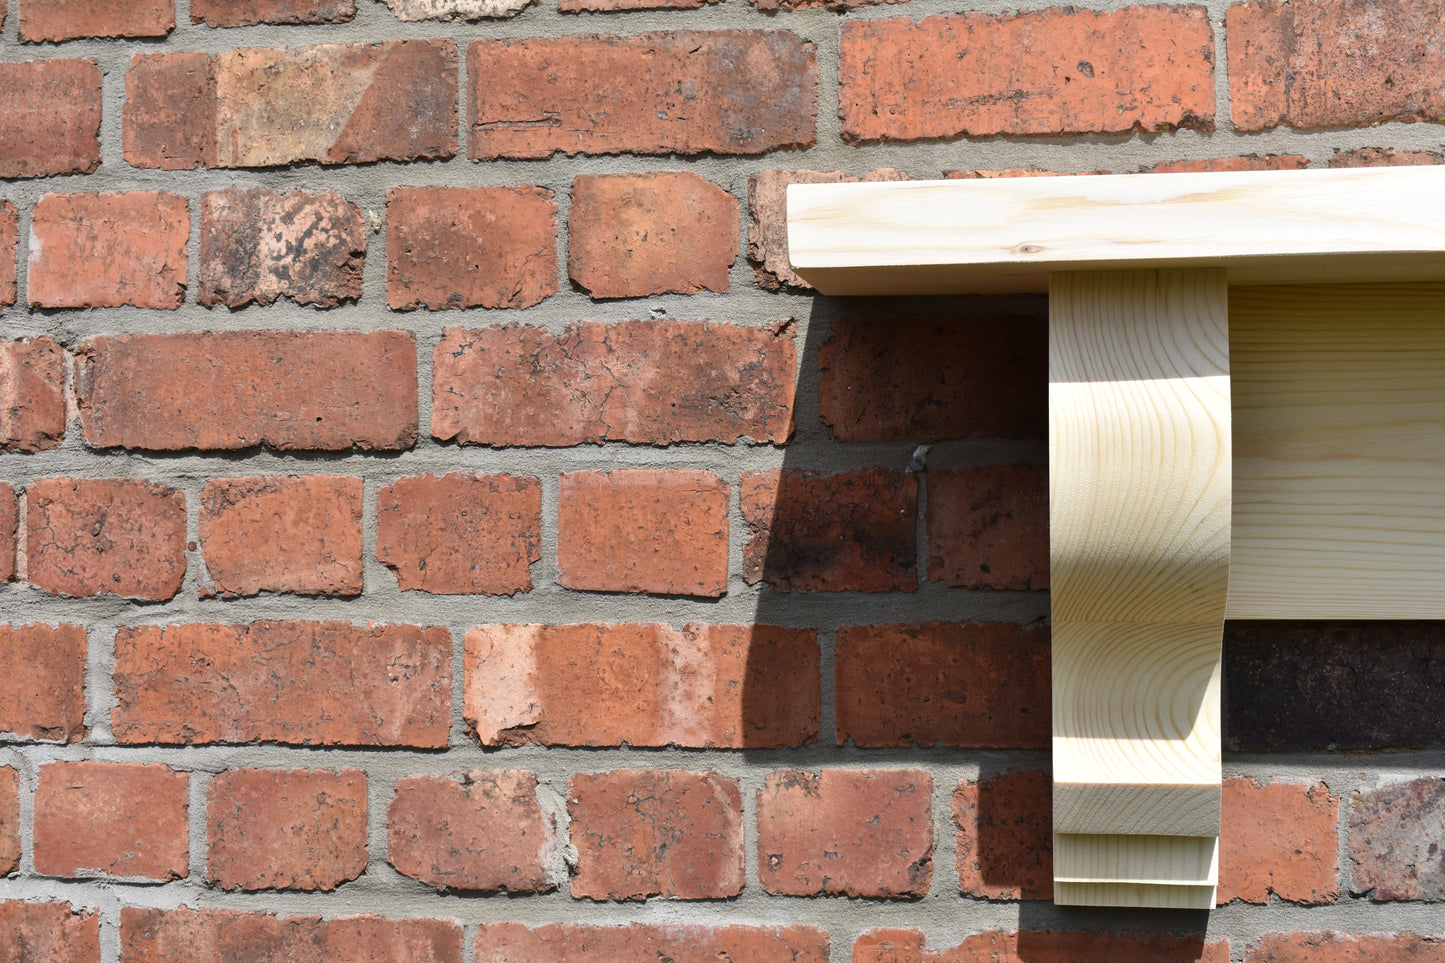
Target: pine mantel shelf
<point>1246,420</point>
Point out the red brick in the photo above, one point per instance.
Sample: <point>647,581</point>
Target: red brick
<point>611,6</point>
<point>9,530</point>
<point>633,235</point>
<point>324,390</point>
<point>32,395</point>
<point>850,532</point>
<point>863,832</point>
<point>1270,162</point>
<point>986,175</point>
<point>768,220</point>
<point>461,533</point>
<point>169,118</point>
<point>1005,838</point>
<point>664,532</point>
<point>298,829</point>
<point>49,118</point>
<point>109,250</point>
<point>1385,157</point>
<point>9,824</point>
<point>121,537</point>
<point>966,685</point>
<point>281,534</point>
<point>1396,834</point>
<point>837,6</point>
<point>578,943</point>
<point>258,245</point>
<point>1317,64</point>
<point>975,374</point>
<point>479,831</point>
<point>1279,838</point>
<point>988,527</point>
<point>48,932</point>
<point>705,686</point>
<point>470,247</point>
<point>1316,947</point>
<point>687,92</point>
<point>117,819</point>
<point>299,683</point>
<point>58,20</point>
<point>184,935</point>
<point>245,13</point>
<point>9,238</point>
<point>907,946</point>
<point>656,832</point>
<point>643,382</point>
<point>47,700</point>
<point>1057,71</point>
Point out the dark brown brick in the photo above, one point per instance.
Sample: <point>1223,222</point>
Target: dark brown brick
<point>1056,71</point>
<point>1316,947</point>
<point>849,532</point>
<point>656,832</point>
<point>580,943</point>
<point>1281,839</point>
<point>281,534</point>
<point>121,537</point>
<point>169,119</point>
<point>324,390</point>
<point>643,382</point>
<point>9,826</point>
<point>470,247</point>
<point>478,831</point>
<point>1385,157</point>
<point>1005,840</point>
<point>1396,834</point>
<point>907,946</point>
<point>47,700</point>
<point>258,245</point>
<point>462,533</point>
<point>297,829</point>
<point>975,374</point>
<point>57,20</point>
<point>298,683</point>
<point>988,527</point>
<point>244,13</point>
<point>634,235</point>
<point>705,686</point>
<point>119,819</point>
<point>33,416</point>
<point>687,92</point>
<point>109,250</point>
<point>49,118</point>
<point>48,932</point>
<point>9,238</point>
<point>183,935</point>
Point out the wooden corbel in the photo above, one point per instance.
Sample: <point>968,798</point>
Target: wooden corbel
<point>1246,420</point>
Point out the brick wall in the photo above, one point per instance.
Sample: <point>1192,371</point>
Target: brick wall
<point>438,526</point>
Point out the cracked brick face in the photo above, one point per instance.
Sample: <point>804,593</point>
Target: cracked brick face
<point>47,700</point>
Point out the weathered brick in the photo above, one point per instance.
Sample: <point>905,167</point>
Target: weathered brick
<point>9,824</point>
<point>479,831</point>
<point>121,537</point>
<point>109,250</point>
<point>1385,157</point>
<point>988,527</point>
<point>687,92</point>
<point>298,829</point>
<point>863,832</point>
<point>704,686</point>
<point>49,117</point>
<point>1049,946</point>
<point>633,235</point>
<point>32,386</point>
<point>849,532</point>
<point>48,932</point>
<point>183,935</point>
<point>987,175</point>
<point>245,13</point>
<point>461,533</point>
<point>120,819</point>
<point>47,700</point>
<point>470,247</point>
<point>1269,162</point>
<point>1316,64</point>
<point>768,220</point>
<point>169,118</point>
<point>1279,838</point>
<point>664,532</point>
<point>9,530</point>
<point>1056,71</point>
<point>611,6</point>
<point>837,6</point>
<point>258,245</point>
<point>323,390</point>
<point>58,20</point>
<point>975,374</point>
<point>9,238</point>
<point>1327,947</point>
<point>580,943</point>
<point>656,832</point>
<point>281,534</point>
<point>966,685</point>
<point>1396,834</point>
<point>643,382</point>
<point>1005,840</point>
<point>299,683</point>
<point>456,9</point>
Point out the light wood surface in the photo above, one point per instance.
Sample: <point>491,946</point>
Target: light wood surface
<point>1139,519</point>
